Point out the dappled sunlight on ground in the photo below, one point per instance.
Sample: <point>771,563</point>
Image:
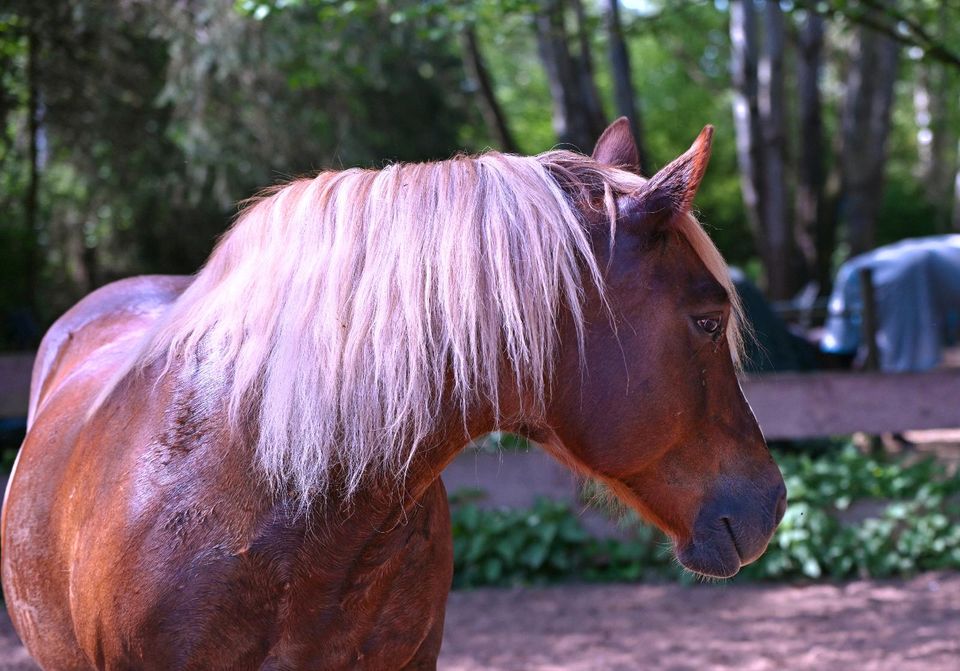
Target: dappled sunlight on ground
<point>896,625</point>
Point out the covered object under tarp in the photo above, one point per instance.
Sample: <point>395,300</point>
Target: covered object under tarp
<point>772,347</point>
<point>917,298</point>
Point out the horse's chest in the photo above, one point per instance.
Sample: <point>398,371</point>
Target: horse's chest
<point>383,609</point>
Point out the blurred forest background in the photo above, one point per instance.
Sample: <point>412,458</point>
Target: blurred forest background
<point>132,128</point>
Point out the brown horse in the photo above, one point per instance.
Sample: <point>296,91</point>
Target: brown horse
<point>240,470</point>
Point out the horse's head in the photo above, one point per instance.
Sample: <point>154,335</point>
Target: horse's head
<point>651,404</point>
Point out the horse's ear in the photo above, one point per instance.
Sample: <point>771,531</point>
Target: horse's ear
<point>671,190</point>
<point>616,147</point>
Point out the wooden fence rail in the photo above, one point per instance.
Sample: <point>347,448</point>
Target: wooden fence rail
<point>15,384</point>
<point>807,405</point>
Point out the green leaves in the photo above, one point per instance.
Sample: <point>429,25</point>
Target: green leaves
<point>544,544</point>
<point>850,515</point>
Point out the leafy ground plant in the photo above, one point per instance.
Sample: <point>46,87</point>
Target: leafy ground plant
<point>850,515</point>
<point>853,515</point>
<point>544,544</point>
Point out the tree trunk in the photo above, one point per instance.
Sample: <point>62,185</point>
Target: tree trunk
<point>923,117</point>
<point>956,194</point>
<point>588,83</point>
<point>493,115</point>
<point>759,121</point>
<point>623,82</point>
<point>32,260</point>
<point>865,124</point>
<point>571,118</point>
<point>815,236</point>
<point>784,266</point>
<point>751,153</point>
<point>743,66</point>
<point>935,138</point>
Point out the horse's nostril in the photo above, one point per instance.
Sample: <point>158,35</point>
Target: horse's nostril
<point>781,505</point>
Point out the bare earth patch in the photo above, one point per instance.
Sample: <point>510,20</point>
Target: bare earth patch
<point>867,626</point>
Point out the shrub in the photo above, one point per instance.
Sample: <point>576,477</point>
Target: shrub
<point>543,544</point>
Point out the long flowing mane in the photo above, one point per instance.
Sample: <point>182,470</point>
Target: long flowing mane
<point>340,311</point>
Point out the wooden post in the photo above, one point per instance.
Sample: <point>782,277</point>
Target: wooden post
<point>869,320</point>
<point>868,331</point>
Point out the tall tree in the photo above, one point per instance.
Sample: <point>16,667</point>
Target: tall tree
<point>584,61</point>
<point>865,125</point>
<point>33,261</point>
<point>623,90</point>
<point>936,139</point>
<point>746,113</point>
<point>783,265</point>
<point>815,228</point>
<point>493,116</point>
<point>571,89</point>
<point>758,109</point>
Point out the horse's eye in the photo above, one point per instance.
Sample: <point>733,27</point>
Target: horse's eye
<point>710,325</point>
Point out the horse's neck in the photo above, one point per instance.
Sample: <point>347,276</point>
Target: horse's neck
<point>433,456</point>
<point>455,432</point>
<point>202,403</point>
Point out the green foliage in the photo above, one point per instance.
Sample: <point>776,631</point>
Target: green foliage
<point>835,480</point>
<point>544,544</point>
<point>8,455</point>
<point>908,518</point>
<point>527,546</point>
<point>156,119</point>
<point>850,515</point>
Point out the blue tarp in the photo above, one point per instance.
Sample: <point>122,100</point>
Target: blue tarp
<point>917,296</point>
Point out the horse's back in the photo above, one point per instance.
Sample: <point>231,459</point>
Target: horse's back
<point>110,320</point>
<point>77,356</point>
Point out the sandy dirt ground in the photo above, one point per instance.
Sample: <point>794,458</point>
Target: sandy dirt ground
<point>909,625</point>
<point>902,626</point>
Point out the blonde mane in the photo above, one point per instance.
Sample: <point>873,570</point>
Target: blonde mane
<point>339,312</point>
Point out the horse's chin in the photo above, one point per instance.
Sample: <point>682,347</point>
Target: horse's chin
<point>712,559</point>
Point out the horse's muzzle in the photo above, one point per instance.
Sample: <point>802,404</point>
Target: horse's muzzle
<point>733,528</point>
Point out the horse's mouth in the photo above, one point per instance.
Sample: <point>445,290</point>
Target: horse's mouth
<point>733,539</point>
<point>731,531</point>
<point>717,556</point>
